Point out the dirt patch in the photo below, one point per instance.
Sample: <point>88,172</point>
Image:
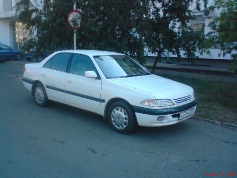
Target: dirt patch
<point>217,114</point>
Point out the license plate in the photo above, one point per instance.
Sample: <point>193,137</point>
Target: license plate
<point>186,114</point>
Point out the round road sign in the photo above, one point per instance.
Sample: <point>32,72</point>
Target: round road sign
<point>74,19</point>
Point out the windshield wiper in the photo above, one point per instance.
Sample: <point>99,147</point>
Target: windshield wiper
<point>134,75</point>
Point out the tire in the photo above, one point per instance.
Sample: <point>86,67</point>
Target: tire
<point>39,58</point>
<point>40,95</point>
<point>121,118</point>
<point>18,57</point>
<point>28,58</point>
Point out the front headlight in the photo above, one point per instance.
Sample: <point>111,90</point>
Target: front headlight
<point>157,103</point>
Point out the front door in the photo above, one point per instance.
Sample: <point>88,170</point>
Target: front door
<point>81,91</point>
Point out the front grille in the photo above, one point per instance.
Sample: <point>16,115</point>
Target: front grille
<point>183,100</point>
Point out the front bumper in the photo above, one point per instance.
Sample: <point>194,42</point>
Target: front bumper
<point>151,117</point>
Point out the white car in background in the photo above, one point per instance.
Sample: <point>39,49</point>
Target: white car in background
<point>112,85</point>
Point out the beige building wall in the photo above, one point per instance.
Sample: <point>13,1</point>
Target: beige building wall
<point>7,22</point>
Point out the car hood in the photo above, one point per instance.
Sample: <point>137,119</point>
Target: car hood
<point>10,51</point>
<point>159,87</point>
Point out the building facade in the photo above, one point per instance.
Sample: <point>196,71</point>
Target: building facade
<point>7,22</point>
<point>203,17</point>
<point>12,33</point>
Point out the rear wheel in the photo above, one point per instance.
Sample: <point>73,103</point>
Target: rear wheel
<point>121,117</point>
<point>40,95</point>
<point>18,57</point>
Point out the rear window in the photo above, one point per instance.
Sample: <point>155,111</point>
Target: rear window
<point>59,62</point>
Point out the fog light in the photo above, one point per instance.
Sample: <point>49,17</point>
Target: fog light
<point>161,118</point>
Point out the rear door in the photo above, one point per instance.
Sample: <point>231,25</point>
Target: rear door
<point>53,75</point>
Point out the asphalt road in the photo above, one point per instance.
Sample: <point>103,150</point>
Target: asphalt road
<point>61,141</point>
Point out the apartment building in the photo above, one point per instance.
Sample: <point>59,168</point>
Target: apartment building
<point>203,17</point>
<point>7,22</point>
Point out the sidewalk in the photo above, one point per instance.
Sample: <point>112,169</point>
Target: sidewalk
<point>216,67</point>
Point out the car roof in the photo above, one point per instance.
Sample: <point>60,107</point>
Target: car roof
<point>93,52</point>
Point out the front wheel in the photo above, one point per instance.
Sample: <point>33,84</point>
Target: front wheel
<point>40,95</point>
<point>121,118</point>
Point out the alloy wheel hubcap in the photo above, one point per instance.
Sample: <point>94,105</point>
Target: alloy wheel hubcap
<point>119,118</point>
<point>39,95</point>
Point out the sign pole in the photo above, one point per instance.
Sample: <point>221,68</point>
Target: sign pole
<point>75,31</point>
<point>74,20</point>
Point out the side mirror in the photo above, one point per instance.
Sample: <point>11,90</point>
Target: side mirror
<point>90,74</point>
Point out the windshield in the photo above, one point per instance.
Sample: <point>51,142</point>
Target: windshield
<point>4,47</point>
<point>116,66</point>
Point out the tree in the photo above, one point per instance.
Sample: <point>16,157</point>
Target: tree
<point>47,25</point>
<point>107,25</point>
<point>114,25</point>
<point>167,19</point>
<point>117,25</point>
<point>224,28</point>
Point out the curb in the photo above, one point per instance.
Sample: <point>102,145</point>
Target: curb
<point>222,124</point>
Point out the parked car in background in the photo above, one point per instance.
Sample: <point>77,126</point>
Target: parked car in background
<point>32,56</point>
<point>112,85</point>
<point>8,53</point>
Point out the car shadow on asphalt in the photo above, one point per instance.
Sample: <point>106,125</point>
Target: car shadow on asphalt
<point>178,128</point>
<point>95,121</point>
<point>100,123</point>
<point>76,112</point>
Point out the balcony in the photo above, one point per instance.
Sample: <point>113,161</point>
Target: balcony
<point>7,8</point>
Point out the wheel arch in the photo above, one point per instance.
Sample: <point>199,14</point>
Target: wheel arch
<point>113,100</point>
<point>33,86</point>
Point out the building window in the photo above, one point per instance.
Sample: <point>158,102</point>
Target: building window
<point>198,23</point>
<point>21,34</point>
<point>195,24</point>
<point>7,5</point>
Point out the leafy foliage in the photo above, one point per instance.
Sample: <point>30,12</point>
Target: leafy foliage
<point>47,26</point>
<point>168,19</point>
<point>113,25</point>
<point>224,28</point>
<point>117,25</point>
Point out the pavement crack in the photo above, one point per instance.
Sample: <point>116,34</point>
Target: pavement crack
<point>92,150</point>
<point>56,140</point>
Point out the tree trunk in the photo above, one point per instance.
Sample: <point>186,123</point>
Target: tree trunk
<point>158,58</point>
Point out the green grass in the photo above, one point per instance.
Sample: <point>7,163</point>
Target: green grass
<point>223,94</point>
<point>217,100</point>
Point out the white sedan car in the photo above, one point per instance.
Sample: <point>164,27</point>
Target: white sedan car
<point>112,85</point>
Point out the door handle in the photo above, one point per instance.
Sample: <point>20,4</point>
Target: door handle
<point>43,75</point>
<point>69,81</point>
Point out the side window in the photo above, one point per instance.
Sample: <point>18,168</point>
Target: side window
<point>80,64</point>
<point>59,62</point>
<point>48,63</point>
